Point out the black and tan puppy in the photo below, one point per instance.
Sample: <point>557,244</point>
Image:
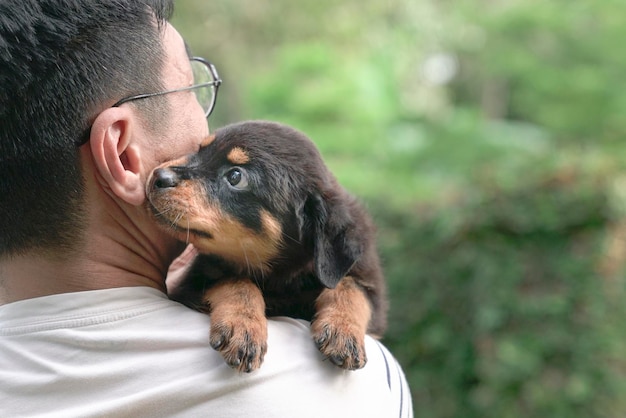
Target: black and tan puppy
<point>277,235</point>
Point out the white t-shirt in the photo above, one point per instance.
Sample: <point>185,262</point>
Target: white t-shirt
<point>131,352</point>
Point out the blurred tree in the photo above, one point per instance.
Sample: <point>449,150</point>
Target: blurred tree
<point>553,64</point>
<point>485,136</point>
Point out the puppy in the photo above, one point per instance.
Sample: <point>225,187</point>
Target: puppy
<point>276,235</point>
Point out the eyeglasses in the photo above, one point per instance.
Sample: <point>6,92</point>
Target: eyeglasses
<point>206,82</point>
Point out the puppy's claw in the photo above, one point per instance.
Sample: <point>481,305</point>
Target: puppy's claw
<point>320,340</point>
<point>337,361</point>
<point>217,343</point>
<point>234,362</point>
<point>242,348</point>
<point>342,348</point>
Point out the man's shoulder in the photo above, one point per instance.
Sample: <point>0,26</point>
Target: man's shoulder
<point>134,350</point>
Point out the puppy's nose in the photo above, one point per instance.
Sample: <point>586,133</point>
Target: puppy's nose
<point>165,178</point>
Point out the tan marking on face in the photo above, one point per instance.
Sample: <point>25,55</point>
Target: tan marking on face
<point>234,242</point>
<point>207,141</point>
<point>272,227</point>
<point>238,156</point>
<point>185,209</point>
<point>174,207</point>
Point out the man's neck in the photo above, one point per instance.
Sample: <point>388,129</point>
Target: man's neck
<point>31,276</point>
<point>111,257</point>
<point>121,247</point>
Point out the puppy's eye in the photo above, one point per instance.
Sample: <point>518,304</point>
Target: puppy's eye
<point>237,177</point>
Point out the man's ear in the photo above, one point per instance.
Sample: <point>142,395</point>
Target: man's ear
<point>116,157</point>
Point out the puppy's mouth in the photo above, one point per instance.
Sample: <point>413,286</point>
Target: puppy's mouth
<point>203,234</point>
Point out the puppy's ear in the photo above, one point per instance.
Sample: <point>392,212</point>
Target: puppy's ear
<point>335,241</point>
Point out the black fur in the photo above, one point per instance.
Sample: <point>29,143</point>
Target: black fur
<point>326,233</point>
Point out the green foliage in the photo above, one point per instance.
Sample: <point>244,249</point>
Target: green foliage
<point>485,138</point>
<point>558,62</point>
<point>502,300</point>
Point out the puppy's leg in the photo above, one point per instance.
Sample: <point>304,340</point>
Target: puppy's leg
<point>340,324</point>
<point>238,323</point>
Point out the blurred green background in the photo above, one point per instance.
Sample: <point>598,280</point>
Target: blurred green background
<point>487,139</point>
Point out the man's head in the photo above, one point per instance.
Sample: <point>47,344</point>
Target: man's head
<point>63,63</point>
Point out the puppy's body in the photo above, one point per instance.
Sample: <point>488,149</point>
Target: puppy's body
<point>277,235</point>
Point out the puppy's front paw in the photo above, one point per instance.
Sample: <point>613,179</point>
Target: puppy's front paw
<point>241,341</point>
<point>340,324</point>
<point>340,342</point>
<point>238,323</point>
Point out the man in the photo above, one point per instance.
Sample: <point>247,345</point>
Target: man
<point>93,95</point>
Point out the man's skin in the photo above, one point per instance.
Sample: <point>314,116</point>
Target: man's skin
<point>120,154</point>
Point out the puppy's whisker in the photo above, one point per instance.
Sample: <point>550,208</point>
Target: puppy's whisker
<point>297,241</point>
<point>261,268</point>
<point>252,272</point>
<point>188,232</point>
<point>188,227</point>
<point>179,216</point>
<point>245,254</point>
<point>164,214</point>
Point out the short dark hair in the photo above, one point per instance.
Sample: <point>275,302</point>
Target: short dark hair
<point>60,62</point>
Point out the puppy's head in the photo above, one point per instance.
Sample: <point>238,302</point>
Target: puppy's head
<point>254,191</point>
